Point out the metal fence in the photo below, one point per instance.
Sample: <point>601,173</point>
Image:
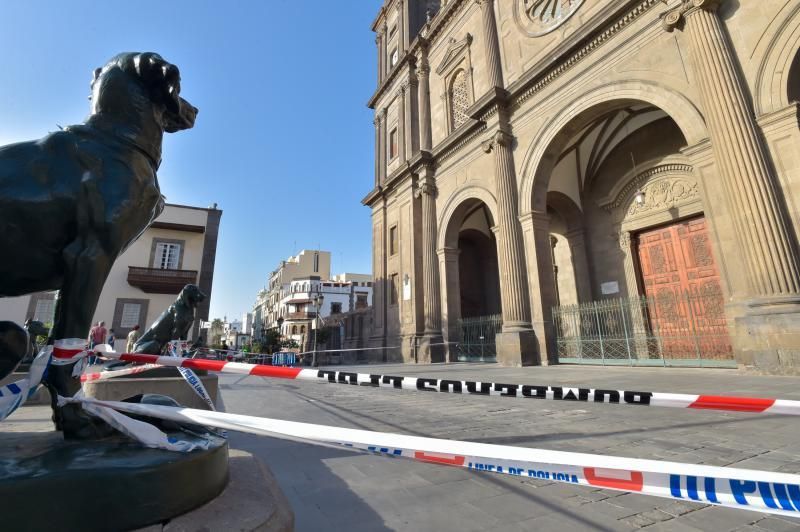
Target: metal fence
<point>674,328</point>
<point>477,343</point>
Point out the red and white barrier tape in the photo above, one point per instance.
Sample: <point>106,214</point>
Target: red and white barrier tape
<point>89,377</point>
<point>760,491</point>
<point>521,391</point>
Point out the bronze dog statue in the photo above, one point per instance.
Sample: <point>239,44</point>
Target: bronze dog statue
<point>73,201</point>
<point>173,324</point>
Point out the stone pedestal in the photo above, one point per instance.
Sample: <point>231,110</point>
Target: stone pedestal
<point>517,348</point>
<point>431,349</point>
<point>162,381</point>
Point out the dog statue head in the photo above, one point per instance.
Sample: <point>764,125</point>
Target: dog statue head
<point>137,96</point>
<point>191,295</point>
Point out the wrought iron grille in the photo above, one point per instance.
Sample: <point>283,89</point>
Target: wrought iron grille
<point>672,329</point>
<point>478,338</point>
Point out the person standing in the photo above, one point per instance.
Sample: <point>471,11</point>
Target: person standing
<point>97,336</point>
<point>112,337</point>
<point>133,336</point>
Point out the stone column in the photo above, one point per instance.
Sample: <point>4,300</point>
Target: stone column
<point>402,45</point>
<point>513,280</point>
<point>377,123</point>
<point>383,146</point>
<point>493,63</point>
<point>401,124</point>
<point>424,101</point>
<point>767,244</point>
<point>431,347</point>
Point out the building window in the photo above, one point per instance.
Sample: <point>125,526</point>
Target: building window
<point>393,144</point>
<point>393,290</point>
<point>294,329</point>
<point>361,300</point>
<point>167,254</point>
<point>302,329</point>
<point>393,240</point>
<point>336,308</point>
<point>45,310</point>
<point>130,315</point>
<point>394,57</point>
<point>459,99</point>
<point>316,262</point>
<point>392,31</point>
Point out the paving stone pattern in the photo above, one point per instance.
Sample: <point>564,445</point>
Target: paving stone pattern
<point>333,490</point>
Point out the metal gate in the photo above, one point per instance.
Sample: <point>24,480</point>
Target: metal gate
<point>478,338</point>
<point>671,329</point>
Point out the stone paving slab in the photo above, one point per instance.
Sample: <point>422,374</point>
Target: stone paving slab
<point>394,494</point>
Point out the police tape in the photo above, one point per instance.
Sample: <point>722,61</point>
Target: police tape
<point>760,491</point>
<point>14,394</point>
<point>89,377</point>
<point>521,391</point>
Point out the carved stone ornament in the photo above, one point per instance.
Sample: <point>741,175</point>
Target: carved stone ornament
<point>675,18</point>
<point>500,138</point>
<point>425,186</point>
<point>540,17</point>
<point>664,194</point>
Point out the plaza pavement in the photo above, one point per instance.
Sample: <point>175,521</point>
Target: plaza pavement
<point>337,490</point>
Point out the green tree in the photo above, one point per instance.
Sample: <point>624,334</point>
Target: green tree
<point>215,332</point>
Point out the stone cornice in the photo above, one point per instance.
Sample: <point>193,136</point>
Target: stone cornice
<point>457,140</point>
<point>572,52</point>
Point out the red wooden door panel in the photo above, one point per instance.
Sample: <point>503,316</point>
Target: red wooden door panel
<point>681,280</point>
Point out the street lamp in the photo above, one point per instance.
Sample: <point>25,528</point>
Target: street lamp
<point>318,299</point>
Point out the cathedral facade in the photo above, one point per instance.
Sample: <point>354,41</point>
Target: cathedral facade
<point>601,181</point>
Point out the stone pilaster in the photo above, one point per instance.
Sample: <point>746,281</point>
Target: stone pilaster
<point>493,63</point>
<point>768,246</point>
<point>536,234</point>
<point>513,282</point>
<point>384,60</point>
<point>401,123</point>
<point>384,151</point>
<point>424,101</point>
<point>377,123</point>
<point>450,298</point>
<point>402,45</point>
<point>576,239</point>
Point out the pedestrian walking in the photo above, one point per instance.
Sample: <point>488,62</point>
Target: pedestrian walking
<point>133,336</point>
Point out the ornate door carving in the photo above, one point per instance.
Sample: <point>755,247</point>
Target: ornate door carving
<point>682,285</point>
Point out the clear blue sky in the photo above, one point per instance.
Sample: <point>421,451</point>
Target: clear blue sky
<point>283,142</point>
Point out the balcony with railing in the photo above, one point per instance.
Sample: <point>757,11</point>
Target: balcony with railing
<point>160,281</point>
<point>301,316</point>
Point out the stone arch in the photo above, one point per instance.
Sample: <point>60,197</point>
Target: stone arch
<point>543,152</point>
<point>455,205</point>
<point>781,55</point>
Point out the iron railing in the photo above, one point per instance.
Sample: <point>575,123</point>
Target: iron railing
<point>685,328</point>
<point>477,342</point>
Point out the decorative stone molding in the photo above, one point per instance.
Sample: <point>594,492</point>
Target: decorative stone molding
<point>637,182</point>
<point>583,52</point>
<point>664,194</point>
<point>425,187</point>
<point>540,17</point>
<point>675,18</point>
<point>455,51</point>
<point>500,138</point>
